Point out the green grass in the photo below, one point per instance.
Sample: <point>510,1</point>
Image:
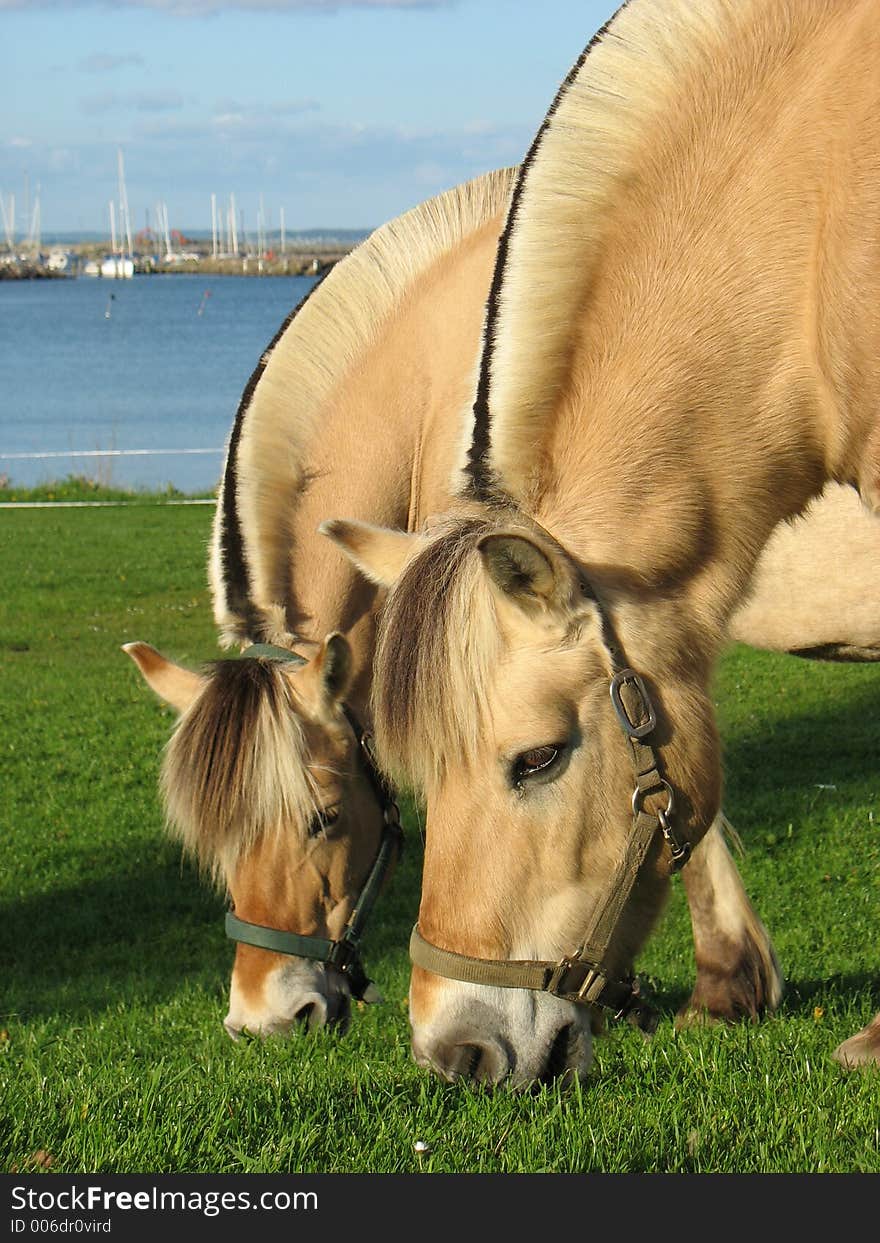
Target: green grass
<point>114,966</point>
<point>84,488</point>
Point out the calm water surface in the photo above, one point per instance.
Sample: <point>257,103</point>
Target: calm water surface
<point>157,362</point>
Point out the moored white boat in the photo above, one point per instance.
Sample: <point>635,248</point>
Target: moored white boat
<point>117,266</point>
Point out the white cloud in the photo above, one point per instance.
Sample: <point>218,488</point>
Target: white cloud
<point>325,174</point>
<point>239,143</point>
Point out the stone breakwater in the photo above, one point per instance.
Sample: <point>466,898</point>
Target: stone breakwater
<point>298,263</point>
<point>29,271</point>
<point>86,261</point>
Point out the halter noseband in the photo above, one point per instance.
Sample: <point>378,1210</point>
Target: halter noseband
<point>344,954</point>
<point>583,977</point>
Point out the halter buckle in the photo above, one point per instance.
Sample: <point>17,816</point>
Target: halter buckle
<point>558,974</point>
<point>577,990</point>
<point>590,979</point>
<point>633,729</point>
<point>345,957</point>
<point>343,954</point>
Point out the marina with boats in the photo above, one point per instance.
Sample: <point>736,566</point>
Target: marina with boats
<point>227,250</point>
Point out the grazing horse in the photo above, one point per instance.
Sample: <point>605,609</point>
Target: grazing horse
<point>293,832</point>
<point>264,779</point>
<point>681,349</point>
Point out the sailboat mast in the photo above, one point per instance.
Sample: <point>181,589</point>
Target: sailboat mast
<point>124,219</point>
<point>233,224</point>
<point>8,221</point>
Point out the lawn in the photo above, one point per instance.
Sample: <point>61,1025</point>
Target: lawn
<point>114,965</point>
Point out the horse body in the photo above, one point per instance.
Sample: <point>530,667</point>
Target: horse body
<point>824,566</point>
<point>329,423</point>
<point>681,351</point>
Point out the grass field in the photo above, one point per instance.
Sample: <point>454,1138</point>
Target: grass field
<point>114,965</point>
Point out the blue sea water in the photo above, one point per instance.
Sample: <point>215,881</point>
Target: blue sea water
<point>156,362</point>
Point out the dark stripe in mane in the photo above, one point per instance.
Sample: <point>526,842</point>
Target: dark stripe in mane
<point>480,484</point>
<point>236,579</point>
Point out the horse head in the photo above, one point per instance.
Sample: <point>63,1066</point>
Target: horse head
<point>266,781</point>
<point>555,810</point>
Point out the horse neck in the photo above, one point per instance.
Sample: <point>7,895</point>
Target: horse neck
<point>723,371</point>
<point>674,508</point>
<point>388,441</point>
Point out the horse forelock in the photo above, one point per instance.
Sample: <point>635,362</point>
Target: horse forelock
<point>437,645</point>
<point>236,765</point>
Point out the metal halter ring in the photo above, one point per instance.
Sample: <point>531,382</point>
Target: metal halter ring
<point>680,850</point>
<point>662,816</point>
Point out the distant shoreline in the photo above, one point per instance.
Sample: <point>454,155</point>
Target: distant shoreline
<point>313,260</point>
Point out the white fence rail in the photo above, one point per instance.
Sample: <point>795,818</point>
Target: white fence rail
<point>62,453</point>
<point>45,454</point>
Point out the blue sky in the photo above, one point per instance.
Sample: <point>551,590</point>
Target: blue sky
<point>342,113</point>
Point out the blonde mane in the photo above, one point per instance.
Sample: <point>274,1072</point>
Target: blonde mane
<point>656,71</point>
<point>280,410</point>
<point>431,683</point>
<point>236,765</point>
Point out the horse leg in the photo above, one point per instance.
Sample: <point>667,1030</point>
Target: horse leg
<point>738,975</point>
<point>862,1049</point>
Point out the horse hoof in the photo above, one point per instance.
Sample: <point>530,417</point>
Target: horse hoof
<point>862,1049</point>
<point>697,1016</point>
<point>731,999</point>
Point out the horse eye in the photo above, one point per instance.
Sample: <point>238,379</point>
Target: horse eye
<point>322,820</point>
<point>538,760</point>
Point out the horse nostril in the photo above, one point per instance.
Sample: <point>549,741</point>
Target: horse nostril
<point>482,1063</point>
<point>557,1058</point>
<point>305,1014</point>
<point>330,1011</point>
<point>469,1059</point>
<point>339,1012</point>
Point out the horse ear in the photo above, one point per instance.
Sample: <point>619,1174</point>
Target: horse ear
<point>334,668</point>
<point>176,685</point>
<point>520,568</point>
<point>378,552</point>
